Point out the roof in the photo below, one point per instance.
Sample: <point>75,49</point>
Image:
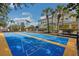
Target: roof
<point>44,17</point>
<point>28,19</point>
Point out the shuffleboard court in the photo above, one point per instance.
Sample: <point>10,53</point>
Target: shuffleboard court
<point>27,46</point>
<point>48,37</point>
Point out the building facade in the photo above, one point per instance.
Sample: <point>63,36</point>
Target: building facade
<point>22,21</point>
<point>68,21</point>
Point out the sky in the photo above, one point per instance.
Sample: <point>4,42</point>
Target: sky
<point>34,12</point>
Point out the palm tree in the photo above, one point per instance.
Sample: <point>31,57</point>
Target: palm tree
<point>65,12</point>
<point>78,29</point>
<point>75,6</point>
<point>46,13</point>
<point>59,14</point>
<point>61,11</point>
<point>52,14</point>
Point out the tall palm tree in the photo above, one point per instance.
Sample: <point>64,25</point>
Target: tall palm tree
<point>78,28</point>
<point>46,13</point>
<point>75,6</point>
<point>65,12</point>
<point>59,14</point>
<point>61,10</point>
<point>52,14</point>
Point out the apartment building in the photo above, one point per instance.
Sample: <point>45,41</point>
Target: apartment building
<point>24,21</point>
<point>67,22</point>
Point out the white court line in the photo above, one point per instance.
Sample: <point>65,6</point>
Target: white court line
<point>22,47</point>
<point>29,48</point>
<point>44,40</point>
<point>32,37</point>
<point>34,51</point>
<point>26,53</point>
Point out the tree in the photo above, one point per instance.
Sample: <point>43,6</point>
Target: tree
<point>61,11</point>
<point>4,9</point>
<point>14,27</point>
<point>52,14</point>
<point>59,14</point>
<point>46,13</point>
<point>22,26</point>
<point>3,23</point>
<point>32,27</point>
<point>75,6</point>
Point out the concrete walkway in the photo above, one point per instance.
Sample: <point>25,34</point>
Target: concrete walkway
<point>4,49</point>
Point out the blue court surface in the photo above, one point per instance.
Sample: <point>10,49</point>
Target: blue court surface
<point>49,37</point>
<point>27,46</point>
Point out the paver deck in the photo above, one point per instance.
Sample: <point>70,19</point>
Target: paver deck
<point>4,49</point>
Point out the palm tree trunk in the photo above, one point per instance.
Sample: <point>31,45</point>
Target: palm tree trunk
<point>52,23</point>
<point>47,23</point>
<point>58,22</point>
<point>62,19</point>
<point>58,25</point>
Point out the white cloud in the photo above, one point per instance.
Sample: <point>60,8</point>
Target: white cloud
<point>26,14</point>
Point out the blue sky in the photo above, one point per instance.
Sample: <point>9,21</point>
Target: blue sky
<point>35,11</point>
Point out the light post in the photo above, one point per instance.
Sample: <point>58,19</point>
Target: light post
<point>77,36</point>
